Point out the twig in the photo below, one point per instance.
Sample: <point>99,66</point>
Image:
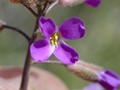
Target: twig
<point>50,7</point>
<point>80,62</point>
<point>17,30</point>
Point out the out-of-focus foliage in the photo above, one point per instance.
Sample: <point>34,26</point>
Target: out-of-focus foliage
<point>101,44</point>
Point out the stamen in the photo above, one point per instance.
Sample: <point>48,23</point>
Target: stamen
<point>54,39</point>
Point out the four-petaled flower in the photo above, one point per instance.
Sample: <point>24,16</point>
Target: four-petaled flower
<point>92,3</point>
<point>71,29</point>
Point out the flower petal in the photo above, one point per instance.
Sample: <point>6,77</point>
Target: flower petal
<point>93,86</point>
<point>41,50</point>
<point>47,26</point>
<point>66,54</point>
<point>113,74</point>
<point>109,80</point>
<point>72,28</point>
<point>93,3</point>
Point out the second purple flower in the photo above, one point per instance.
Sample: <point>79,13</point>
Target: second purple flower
<point>71,29</point>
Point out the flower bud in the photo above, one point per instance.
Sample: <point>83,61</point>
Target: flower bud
<point>106,78</point>
<point>70,2</point>
<point>14,1</point>
<point>92,3</point>
<point>90,65</point>
<point>83,71</point>
<point>33,3</point>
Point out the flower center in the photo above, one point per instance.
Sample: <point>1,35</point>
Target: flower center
<point>54,39</point>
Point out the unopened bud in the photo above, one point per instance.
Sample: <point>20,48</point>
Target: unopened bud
<point>83,71</point>
<point>90,65</point>
<point>1,25</point>
<point>70,2</point>
<point>14,1</point>
<point>33,3</point>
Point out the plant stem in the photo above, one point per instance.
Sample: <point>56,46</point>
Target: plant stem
<point>50,7</point>
<point>80,63</point>
<point>27,64</point>
<point>28,61</point>
<point>18,30</point>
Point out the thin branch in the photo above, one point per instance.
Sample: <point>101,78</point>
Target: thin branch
<point>45,7</point>
<point>31,10</point>
<point>80,62</point>
<point>50,7</point>
<point>17,30</point>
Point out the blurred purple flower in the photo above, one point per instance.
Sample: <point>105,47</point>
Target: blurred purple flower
<point>93,3</point>
<point>93,86</point>
<point>71,29</point>
<point>108,79</point>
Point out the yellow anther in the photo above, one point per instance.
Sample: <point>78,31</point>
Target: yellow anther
<point>54,39</point>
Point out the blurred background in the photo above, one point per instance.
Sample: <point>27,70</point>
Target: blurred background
<point>101,44</point>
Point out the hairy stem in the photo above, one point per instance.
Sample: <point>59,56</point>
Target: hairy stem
<point>17,30</point>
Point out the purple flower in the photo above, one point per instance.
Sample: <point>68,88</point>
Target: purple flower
<point>93,86</point>
<point>71,29</point>
<point>109,80</point>
<point>93,3</point>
